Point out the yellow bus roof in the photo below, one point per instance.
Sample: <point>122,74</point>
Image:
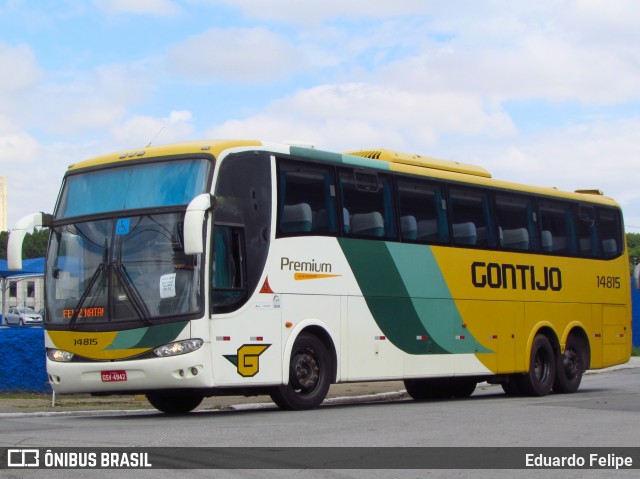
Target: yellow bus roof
<point>393,160</point>
<point>214,147</point>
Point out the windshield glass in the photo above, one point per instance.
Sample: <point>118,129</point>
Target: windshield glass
<point>133,186</point>
<point>122,269</point>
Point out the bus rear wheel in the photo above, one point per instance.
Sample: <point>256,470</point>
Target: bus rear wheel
<point>174,402</point>
<point>542,369</point>
<point>510,386</point>
<point>571,365</point>
<point>309,375</point>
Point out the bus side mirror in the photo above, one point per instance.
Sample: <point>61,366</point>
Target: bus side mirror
<point>194,222</point>
<point>636,276</point>
<point>25,225</point>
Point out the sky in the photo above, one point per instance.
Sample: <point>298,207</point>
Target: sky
<point>540,92</point>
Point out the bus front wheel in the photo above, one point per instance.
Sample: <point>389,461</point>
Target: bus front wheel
<point>542,369</point>
<point>309,375</point>
<point>174,402</point>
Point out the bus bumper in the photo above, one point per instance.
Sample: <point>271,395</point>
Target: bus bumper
<point>186,371</point>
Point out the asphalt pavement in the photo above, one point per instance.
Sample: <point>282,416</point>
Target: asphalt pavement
<point>42,404</point>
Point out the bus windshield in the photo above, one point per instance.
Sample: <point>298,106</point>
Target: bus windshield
<point>124,269</point>
<point>127,187</point>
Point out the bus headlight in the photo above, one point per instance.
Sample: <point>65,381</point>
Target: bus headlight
<point>179,347</point>
<point>59,355</point>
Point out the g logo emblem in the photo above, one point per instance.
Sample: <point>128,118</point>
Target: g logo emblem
<point>248,359</point>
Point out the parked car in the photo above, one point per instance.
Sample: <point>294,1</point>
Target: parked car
<point>22,315</point>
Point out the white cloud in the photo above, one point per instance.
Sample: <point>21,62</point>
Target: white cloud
<point>316,11</point>
<point>18,147</point>
<point>20,69</point>
<point>138,7</point>
<point>363,115</point>
<point>91,100</point>
<point>602,155</point>
<point>141,130</point>
<point>244,54</point>
<point>534,66</point>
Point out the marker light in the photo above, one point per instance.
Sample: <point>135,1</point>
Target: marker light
<point>59,355</point>
<point>179,347</point>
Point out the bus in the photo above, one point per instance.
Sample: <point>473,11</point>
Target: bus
<point>210,268</point>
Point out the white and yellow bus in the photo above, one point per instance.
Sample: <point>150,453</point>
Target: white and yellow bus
<point>244,267</point>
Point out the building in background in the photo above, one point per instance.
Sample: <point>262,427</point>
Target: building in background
<point>3,203</point>
<point>24,287</point>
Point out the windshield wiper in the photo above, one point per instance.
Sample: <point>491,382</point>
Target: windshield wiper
<point>130,290</point>
<point>85,294</point>
<point>132,293</point>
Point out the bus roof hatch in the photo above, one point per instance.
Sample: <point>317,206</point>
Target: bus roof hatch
<point>422,161</point>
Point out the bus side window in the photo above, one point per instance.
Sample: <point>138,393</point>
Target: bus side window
<point>306,199</point>
<point>516,222</point>
<point>228,284</point>
<point>587,232</point>
<point>610,232</point>
<point>557,224</point>
<point>422,211</point>
<point>471,219</point>
<point>243,191</point>
<point>368,204</point>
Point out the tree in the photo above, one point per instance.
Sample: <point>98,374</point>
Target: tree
<point>34,246</point>
<point>633,241</point>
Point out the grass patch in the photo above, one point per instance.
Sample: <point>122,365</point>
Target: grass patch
<point>635,351</point>
<point>19,395</point>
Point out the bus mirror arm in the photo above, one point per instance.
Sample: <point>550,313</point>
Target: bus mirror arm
<point>194,222</point>
<point>25,225</point>
<point>636,276</point>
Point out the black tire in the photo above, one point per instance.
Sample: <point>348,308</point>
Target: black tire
<point>418,389</point>
<point>510,387</point>
<point>310,370</point>
<point>570,366</point>
<point>445,388</point>
<point>538,381</point>
<point>175,402</point>
<point>463,388</point>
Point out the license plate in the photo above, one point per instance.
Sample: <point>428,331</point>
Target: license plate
<point>113,376</point>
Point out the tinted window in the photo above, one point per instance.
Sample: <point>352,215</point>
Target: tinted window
<point>423,215</point>
<point>133,186</point>
<point>471,218</point>
<point>557,224</point>
<point>307,199</point>
<point>368,204</point>
<point>516,222</point>
<point>244,202</point>
<point>610,229</point>
<point>586,231</point>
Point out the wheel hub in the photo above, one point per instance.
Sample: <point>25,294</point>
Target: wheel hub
<point>572,363</point>
<point>306,371</point>
<point>541,368</point>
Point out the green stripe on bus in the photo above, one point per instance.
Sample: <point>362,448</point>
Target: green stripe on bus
<point>408,297</point>
<point>148,337</point>
<point>387,297</point>
<point>432,298</point>
<point>331,157</point>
